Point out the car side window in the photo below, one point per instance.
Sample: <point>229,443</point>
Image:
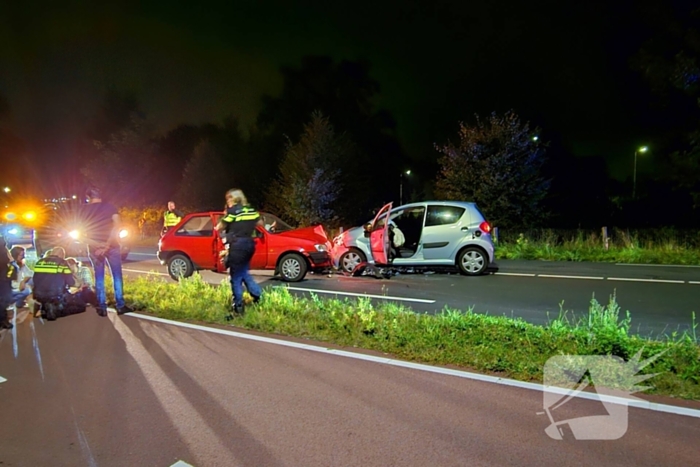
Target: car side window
<point>443,215</point>
<point>199,226</point>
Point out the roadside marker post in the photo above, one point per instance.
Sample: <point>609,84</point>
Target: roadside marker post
<point>606,239</point>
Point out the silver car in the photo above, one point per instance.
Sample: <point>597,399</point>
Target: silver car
<point>436,233</point>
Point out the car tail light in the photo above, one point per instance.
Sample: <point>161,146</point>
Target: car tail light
<point>485,227</point>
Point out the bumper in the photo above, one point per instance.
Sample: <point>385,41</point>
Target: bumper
<point>335,253</point>
<point>320,260</point>
<point>161,257</point>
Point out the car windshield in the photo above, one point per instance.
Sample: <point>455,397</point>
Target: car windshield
<point>274,224</point>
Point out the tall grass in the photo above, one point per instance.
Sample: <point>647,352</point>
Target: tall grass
<point>659,246</point>
<point>504,346</point>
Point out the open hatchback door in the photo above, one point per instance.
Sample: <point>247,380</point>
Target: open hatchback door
<point>379,236</point>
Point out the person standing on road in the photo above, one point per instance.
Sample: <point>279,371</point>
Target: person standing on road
<point>8,273</point>
<point>103,223</point>
<point>239,223</point>
<point>22,287</point>
<point>171,217</point>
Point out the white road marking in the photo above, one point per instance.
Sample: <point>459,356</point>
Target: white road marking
<point>555,276</point>
<point>660,265</point>
<point>432,369</point>
<point>181,464</point>
<point>386,297</point>
<point>514,274</point>
<point>693,282</point>
<point>146,272</point>
<point>629,279</point>
<point>2,380</point>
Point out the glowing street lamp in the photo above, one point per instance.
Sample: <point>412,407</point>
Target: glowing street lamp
<point>643,149</point>
<point>535,138</point>
<point>6,189</point>
<point>408,172</point>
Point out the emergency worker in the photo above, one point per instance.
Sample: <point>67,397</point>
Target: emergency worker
<point>8,273</point>
<point>239,223</point>
<point>171,217</point>
<point>52,280</point>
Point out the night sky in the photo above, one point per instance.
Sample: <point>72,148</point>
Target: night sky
<point>561,65</point>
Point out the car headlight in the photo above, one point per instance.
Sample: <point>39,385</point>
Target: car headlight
<point>29,215</point>
<point>321,248</point>
<point>13,231</point>
<point>74,234</point>
<point>123,233</point>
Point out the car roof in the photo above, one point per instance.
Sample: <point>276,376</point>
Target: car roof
<point>464,204</point>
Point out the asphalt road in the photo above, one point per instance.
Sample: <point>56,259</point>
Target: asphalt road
<point>661,299</point>
<point>121,391</point>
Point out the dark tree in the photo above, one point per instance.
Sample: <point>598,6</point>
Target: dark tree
<point>124,165</point>
<point>496,164</point>
<point>309,186</point>
<point>346,92</point>
<point>205,178</point>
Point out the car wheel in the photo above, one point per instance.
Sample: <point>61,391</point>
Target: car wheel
<point>293,267</point>
<point>472,261</point>
<point>180,266</point>
<point>351,259</point>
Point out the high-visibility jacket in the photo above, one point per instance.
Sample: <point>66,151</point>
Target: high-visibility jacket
<point>240,221</point>
<point>52,277</point>
<point>171,219</point>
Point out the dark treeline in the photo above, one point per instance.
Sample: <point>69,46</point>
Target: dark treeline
<point>321,151</point>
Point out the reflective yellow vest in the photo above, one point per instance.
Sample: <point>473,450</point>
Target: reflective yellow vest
<point>171,219</point>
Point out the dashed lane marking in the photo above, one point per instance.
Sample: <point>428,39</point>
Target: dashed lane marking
<point>642,404</point>
<point>2,380</point>
<point>555,276</point>
<point>600,278</point>
<point>181,464</point>
<point>629,279</point>
<point>385,297</point>
<point>521,274</point>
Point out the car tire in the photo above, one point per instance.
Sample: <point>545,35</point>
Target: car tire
<point>292,267</point>
<point>472,261</point>
<point>180,266</point>
<point>351,259</point>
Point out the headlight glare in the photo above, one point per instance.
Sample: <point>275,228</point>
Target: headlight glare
<point>123,233</point>
<point>74,234</point>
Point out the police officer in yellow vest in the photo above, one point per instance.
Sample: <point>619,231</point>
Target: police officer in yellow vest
<point>172,217</point>
<point>52,279</point>
<point>238,224</point>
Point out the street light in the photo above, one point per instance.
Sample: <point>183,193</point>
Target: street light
<point>6,189</point>
<point>408,172</point>
<point>535,138</point>
<point>643,149</point>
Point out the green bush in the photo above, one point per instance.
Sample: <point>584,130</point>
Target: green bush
<point>662,246</point>
<point>504,346</point>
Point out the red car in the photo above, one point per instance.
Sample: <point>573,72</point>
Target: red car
<point>194,244</point>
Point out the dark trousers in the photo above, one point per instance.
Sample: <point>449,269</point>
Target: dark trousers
<point>67,304</point>
<point>240,253</point>
<point>5,298</point>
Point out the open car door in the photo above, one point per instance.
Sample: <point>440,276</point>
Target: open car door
<point>218,246</point>
<point>379,236</point>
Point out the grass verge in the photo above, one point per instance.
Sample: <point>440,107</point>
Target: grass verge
<point>505,346</point>
<point>622,247</point>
